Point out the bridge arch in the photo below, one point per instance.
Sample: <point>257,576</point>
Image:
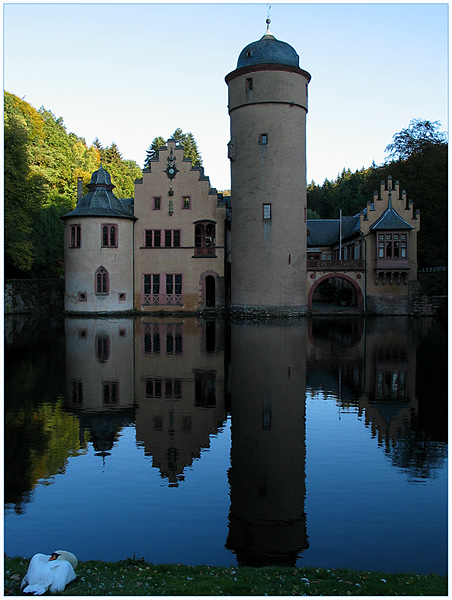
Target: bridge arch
<point>334,275</point>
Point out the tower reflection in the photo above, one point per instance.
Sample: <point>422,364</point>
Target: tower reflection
<point>267,521</point>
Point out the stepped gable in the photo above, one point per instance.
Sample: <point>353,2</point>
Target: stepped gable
<point>100,200</point>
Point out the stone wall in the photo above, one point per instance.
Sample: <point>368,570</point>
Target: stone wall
<point>33,296</point>
<point>422,305</point>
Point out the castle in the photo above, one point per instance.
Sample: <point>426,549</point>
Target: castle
<point>179,246</point>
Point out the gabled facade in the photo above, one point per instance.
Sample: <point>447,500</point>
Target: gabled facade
<point>179,245</point>
<point>375,251</point>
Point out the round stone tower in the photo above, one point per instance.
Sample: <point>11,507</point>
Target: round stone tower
<point>267,106</point>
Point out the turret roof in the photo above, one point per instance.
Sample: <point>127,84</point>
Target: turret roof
<point>100,200</point>
<point>268,50</point>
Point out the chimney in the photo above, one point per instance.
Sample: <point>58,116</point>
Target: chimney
<point>79,189</point>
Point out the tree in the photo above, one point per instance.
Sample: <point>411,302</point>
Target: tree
<point>153,151</point>
<point>186,140</point>
<point>23,196</point>
<point>414,140</point>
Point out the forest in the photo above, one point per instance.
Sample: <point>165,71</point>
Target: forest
<point>42,162</point>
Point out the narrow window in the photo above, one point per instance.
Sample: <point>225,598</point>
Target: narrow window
<point>169,284</point>
<point>105,235</point>
<point>157,237</point>
<point>148,238</point>
<point>178,284</point>
<point>176,238</point>
<point>156,284</point>
<point>249,84</point>
<point>112,235</point>
<point>186,202</point>
<point>101,281</point>
<point>156,203</point>
<point>263,139</point>
<point>75,241</point>
<point>147,284</point>
<point>249,53</point>
<point>266,211</point>
<point>167,238</point>
<point>199,230</point>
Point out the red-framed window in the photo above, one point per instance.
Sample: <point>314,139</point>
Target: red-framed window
<point>152,238</point>
<point>109,235</point>
<point>205,235</point>
<point>392,245</point>
<point>172,238</point>
<point>162,289</point>
<point>101,282</point>
<point>75,236</point>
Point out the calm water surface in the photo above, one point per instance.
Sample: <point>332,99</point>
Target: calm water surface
<point>320,442</point>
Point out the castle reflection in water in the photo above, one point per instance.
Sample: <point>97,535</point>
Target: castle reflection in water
<point>178,380</point>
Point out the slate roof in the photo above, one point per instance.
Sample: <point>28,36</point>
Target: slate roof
<point>390,219</point>
<point>100,200</point>
<point>268,50</point>
<point>325,232</point>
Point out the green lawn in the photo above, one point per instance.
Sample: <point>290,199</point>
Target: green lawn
<point>137,578</point>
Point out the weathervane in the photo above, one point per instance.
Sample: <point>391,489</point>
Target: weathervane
<point>268,21</point>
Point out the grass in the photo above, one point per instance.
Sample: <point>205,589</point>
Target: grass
<point>137,578</point>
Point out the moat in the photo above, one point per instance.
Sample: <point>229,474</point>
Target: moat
<point>317,442</point>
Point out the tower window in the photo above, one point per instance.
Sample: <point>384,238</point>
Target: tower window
<point>263,139</point>
<point>101,281</point>
<point>266,211</point>
<point>109,236</point>
<point>249,84</point>
<point>249,53</point>
<point>75,241</point>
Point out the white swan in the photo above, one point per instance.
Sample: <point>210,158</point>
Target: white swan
<point>52,572</point>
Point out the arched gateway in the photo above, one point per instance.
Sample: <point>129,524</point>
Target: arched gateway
<point>353,281</point>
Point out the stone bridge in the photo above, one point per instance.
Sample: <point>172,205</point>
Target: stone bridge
<point>353,271</point>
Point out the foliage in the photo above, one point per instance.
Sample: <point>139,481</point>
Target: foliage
<point>41,167</point>
<point>137,578</point>
<point>186,140</point>
<point>420,163</point>
<point>416,139</point>
<point>123,172</point>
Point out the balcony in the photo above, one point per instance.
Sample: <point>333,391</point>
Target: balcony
<point>203,251</point>
<point>353,264</point>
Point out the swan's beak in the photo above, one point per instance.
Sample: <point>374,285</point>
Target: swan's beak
<point>54,556</point>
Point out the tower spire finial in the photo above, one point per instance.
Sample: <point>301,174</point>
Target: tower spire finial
<point>268,21</point>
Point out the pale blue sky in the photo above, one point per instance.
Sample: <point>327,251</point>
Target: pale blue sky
<point>130,72</point>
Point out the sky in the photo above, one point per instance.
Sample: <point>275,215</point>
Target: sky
<point>129,72</point>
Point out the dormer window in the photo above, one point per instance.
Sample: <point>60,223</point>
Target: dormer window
<point>249,53</point>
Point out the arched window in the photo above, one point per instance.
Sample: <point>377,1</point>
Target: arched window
<point>205,239</point>
<point>109,236</point>
<point>101,281</point>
